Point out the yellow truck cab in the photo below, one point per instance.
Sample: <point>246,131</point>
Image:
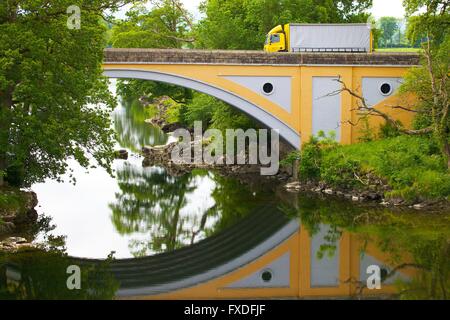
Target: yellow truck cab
<point>276,40</point>
<point>318,37</point>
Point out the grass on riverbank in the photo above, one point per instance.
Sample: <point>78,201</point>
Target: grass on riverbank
<point>412,167</point>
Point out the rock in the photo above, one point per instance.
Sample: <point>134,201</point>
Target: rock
<point>373,196</point>
<point>7,227</point>
<point>12,244</point>
<point>384,203</point>
<point>31,200</point>
<point>419,206</point>
<point>121,154</point>
<point>397,201</point>
<point>171,127</point>
<point>355,198</point>
<point>328,191</point>
<point>293,186</point>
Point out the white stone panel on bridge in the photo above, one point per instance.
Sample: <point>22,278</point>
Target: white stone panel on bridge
<point>280,94</point>
<point>376,90</point>
<point>326,113</point>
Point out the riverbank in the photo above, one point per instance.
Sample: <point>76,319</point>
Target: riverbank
<point>17,214</point>
<point>246,173</point>
<point>398,171</point>
<point>393,171</point>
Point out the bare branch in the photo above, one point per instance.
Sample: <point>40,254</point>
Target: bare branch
<point>403,108</point>
<point>367,110</point>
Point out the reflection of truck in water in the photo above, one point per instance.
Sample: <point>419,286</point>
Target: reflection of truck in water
<point>348,37</point>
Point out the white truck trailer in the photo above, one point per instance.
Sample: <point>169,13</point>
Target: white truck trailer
<point>346,37</point>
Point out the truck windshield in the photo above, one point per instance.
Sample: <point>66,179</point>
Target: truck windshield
<point>275,38</point>
<point>267,39</point>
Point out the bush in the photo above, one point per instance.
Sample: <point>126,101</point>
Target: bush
<point>413,167</point>
<point>312,154</point>
<point>201,108</point>
<point>339,171</point>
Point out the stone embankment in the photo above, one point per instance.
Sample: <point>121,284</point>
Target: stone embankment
<point>374,194</point>
<point>15,219</point>
<point>12,219</point>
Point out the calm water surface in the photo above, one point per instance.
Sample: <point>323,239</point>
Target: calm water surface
<point>140,211</point>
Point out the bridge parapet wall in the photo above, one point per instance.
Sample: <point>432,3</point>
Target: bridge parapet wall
<point>180,56</point>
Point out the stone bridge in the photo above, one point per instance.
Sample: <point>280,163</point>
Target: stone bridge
<point>285,91</point>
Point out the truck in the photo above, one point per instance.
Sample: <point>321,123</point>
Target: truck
<point>306,37</point>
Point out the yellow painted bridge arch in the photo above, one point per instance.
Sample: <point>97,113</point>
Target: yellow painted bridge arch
<point>284,91</point>
<point>267,118</point>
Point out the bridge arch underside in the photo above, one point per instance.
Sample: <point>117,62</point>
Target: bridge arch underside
<point>286,132</point>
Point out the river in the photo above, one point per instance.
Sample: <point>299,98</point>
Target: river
<point>142,211</point>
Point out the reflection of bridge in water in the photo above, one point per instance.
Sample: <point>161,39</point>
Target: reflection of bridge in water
<point>265,255</point>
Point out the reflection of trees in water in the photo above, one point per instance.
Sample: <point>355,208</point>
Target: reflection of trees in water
<point>42,274</point>
<point>153,202</point>
<point>418,242</point>
<point>131,130</point>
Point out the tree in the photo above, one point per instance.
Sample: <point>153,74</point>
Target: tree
<point>429,83</point>
<point>43,276</point>
<point>152,202</point>
<point>389,26</point>
<point>237,24</point>
<point>166,25</point>
<point>50,84</point>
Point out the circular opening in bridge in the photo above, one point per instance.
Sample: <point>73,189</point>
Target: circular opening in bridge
<point>268,88</point>
<point>266,275</point>
<point>386,89</point>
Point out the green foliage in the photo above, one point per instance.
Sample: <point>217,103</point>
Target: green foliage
<point>417,240</point>
<point>134,89</point>
<point>429,24</point>
<point>227,117</point>
<point>388,130</point>
<point>10,200</point>
<point>166,25</point>
<point>44,277</point>
<point>312,155</point>
<point>201,109</point>
<point>132,132</point>
<point>412,166</point>
<point>291,158</point>
<point>49,74</point>
<point>154,203</point>
<point>366,132</point>
<point>339,170</point>
<point>213,113</point>
<point>389,26</point>
<point>237,24</point>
